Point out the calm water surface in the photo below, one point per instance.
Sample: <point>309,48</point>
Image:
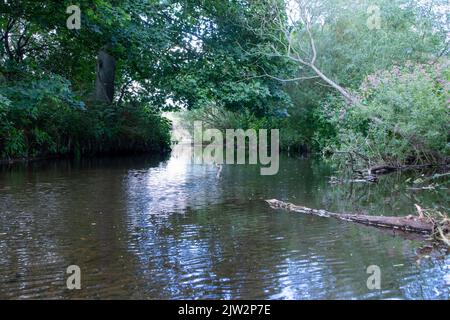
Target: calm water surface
<point>150,228</point>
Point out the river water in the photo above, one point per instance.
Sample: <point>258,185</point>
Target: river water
<point>152,228</point>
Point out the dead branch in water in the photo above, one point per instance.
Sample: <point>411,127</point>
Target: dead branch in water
<point>371,172</point>
<point>423,223</point>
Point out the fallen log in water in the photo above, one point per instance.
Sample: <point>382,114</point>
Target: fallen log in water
<point>416,224</point>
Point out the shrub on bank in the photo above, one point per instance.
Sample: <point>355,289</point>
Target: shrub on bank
<point>44,117</point>
<point>403,117</point>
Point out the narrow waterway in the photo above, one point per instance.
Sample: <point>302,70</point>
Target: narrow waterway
<point>152,228</point>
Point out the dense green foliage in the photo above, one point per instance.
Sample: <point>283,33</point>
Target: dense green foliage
<point>411,36</point>
<point>168,53</point>
<point>222,61</point>
<point>403,120</point>
<point>47,75</point>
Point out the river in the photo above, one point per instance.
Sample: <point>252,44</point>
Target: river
<point>164,228</point>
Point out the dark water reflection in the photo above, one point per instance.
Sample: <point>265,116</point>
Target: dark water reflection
<point>141,228</point>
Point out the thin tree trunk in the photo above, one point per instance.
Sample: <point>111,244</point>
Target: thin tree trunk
<point>350,99</point>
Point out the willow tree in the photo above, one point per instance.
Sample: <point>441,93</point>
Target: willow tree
<point>337,43</point>
<point>291,27</point>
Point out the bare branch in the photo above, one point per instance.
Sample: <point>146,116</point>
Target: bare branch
<point>294,33</point>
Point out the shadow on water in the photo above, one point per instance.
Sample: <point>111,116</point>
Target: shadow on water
<point>151,228</point>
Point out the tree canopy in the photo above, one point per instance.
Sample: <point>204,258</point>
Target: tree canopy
<point>271,63</point>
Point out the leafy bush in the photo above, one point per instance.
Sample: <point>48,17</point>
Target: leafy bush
<point>403,117</point>
<point>43,117</point>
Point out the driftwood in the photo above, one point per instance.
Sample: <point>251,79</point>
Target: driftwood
<point>371,172</point>
<point>385,169</point>
<point>415,224</point>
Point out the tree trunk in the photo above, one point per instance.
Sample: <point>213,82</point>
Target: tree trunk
<point>104,84</point>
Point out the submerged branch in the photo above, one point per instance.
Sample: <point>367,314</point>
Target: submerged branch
<point>437,226</point>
